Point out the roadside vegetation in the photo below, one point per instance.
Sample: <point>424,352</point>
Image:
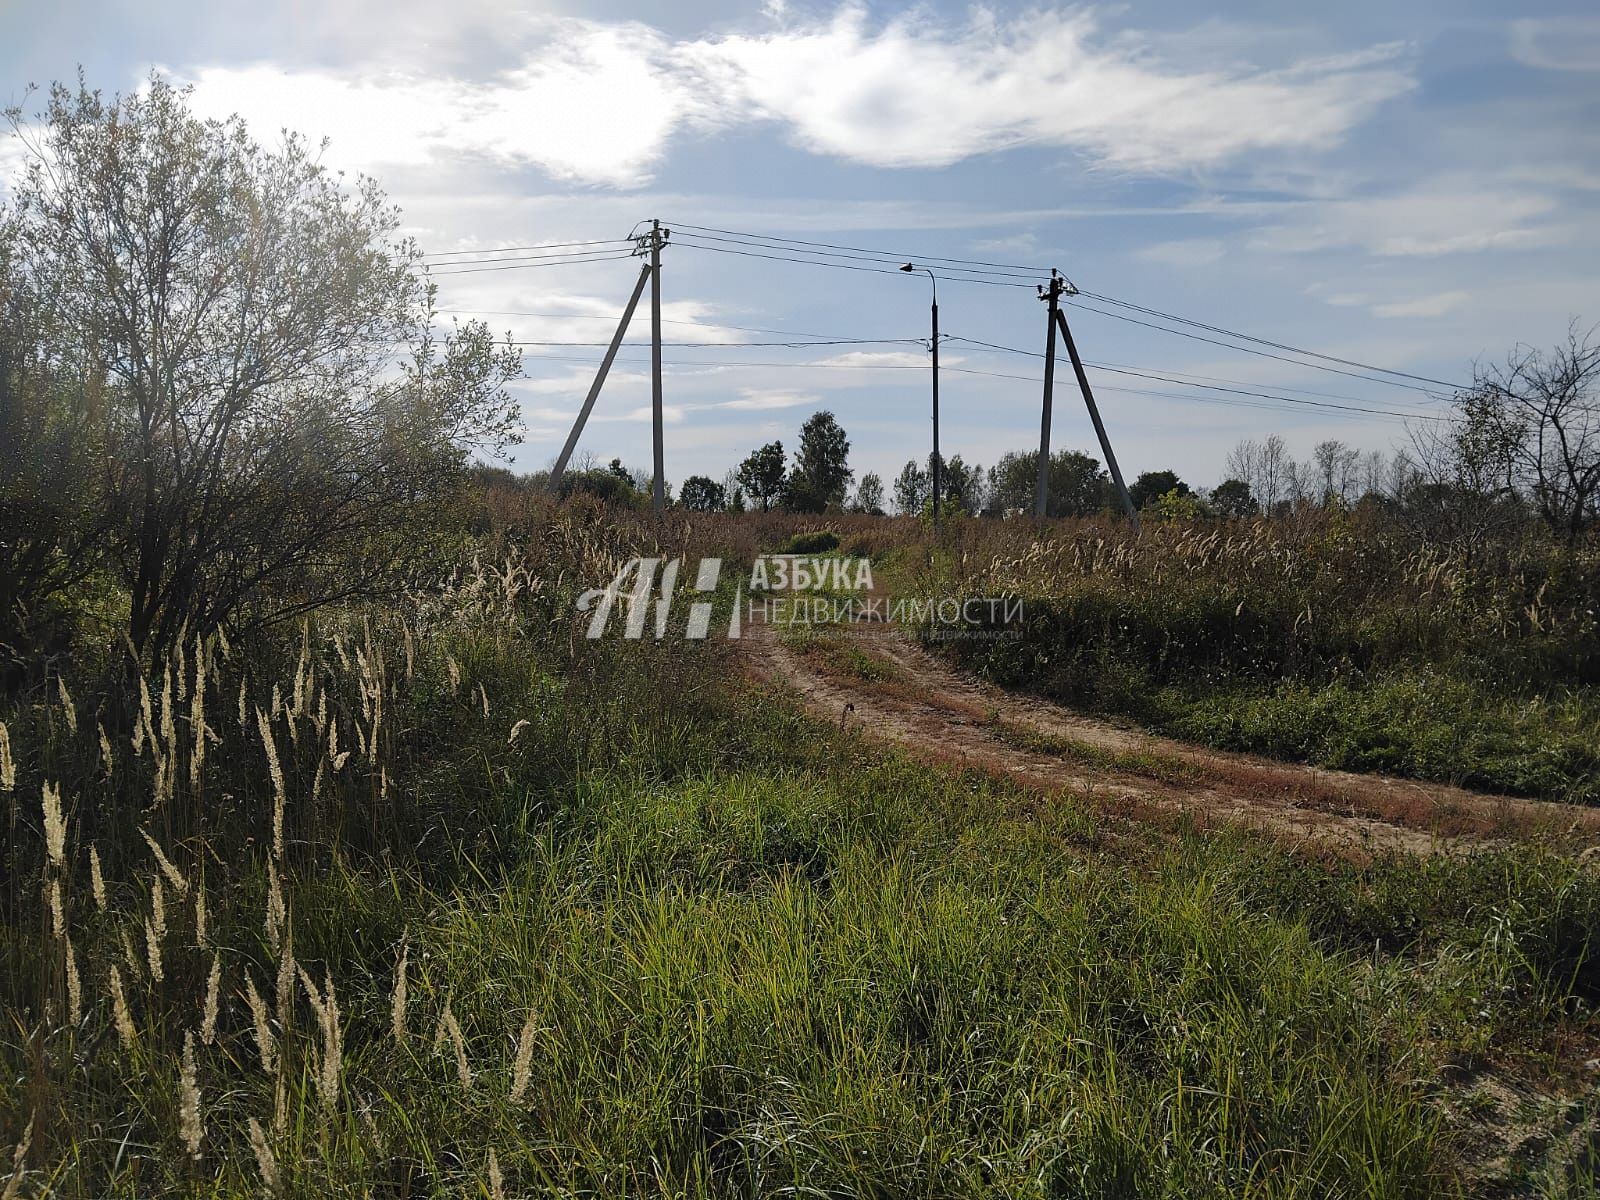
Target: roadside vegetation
<point>337,861</point>
<point>1335,637</point>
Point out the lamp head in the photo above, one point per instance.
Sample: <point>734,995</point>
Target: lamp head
<point>907,267</point>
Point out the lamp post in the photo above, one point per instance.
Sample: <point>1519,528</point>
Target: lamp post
<point>935,345</point>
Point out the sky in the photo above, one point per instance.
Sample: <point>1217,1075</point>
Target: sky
<point>1412,187</point>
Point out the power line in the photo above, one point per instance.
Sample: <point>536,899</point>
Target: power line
<point>492,312</point>
<point>1349,362</point>
<point>838,265</point>
<point>1245,394</point>
<point>535,246</point>
<point>884,259</point>
<point>529,266</point>
<point>1003,270</point>
<point>736,345</point>
<point>933,260</point>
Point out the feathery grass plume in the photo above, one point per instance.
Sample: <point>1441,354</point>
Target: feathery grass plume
<point>144,729</point>
<point>55,826</point>
<point>278,792</point>
<point>411,650</point>
<point>120,1015</point>
<point>128,955</point>
<point>451,1028</point>
<point>333,743</point>
<point>8,766</point>
<point>74,982</point>
<point>18,1157</point>
<point>517,729</point>
<point>277,701</point>
<point>455,673</point>
<point>286,973</point>
<point>397,1001</point>
<point>97,880</point>
<point>68,708</point>
<point>208,1017</point>
<point>200,912</point>
<point>174,876</point>
<point>169,726</point>
<point>155,930</point>
<point>332,1045</point>
<point>197,717</point>
<point>189,1125</point>
<point>244,719</point>
<point>58,916</point>
<point>497,1187</point>
<point>266,1163</point>
<point>277,911</point>
<point>265,1042</point>
<point>522,1069</point>
<point>107,759</point>
<point>484,697</point>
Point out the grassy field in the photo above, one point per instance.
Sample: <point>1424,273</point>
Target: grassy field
<point>1329,637</point>
<point>441,898</point>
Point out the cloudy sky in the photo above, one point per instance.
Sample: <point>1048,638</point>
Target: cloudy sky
<point>1407,186</point>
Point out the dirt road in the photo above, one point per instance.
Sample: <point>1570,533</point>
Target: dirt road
<point>882,682</point>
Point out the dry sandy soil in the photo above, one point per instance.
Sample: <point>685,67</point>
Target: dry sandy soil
<point>876,678</point>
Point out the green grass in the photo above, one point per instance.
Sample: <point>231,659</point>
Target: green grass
<point>750,955</point>
<point>1147,763</point>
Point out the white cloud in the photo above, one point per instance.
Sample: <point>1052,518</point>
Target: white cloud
<point>1187,252</point>
<point>593,104</point>
<point>1447,216</point>
<point>1557,43</point>
<point>760,400</point>
<point>914,95</point>
<point>598,103</point>
<point>1436,305</point>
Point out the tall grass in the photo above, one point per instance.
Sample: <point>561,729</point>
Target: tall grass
<point>1334,637</point>
<point>443,899</point>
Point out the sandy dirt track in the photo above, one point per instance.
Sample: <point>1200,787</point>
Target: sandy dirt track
<point>943,715</point>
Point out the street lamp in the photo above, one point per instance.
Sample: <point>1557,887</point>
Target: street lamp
<point>935,345</point>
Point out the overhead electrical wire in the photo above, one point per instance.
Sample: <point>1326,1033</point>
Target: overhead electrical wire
<point>1001,273</point>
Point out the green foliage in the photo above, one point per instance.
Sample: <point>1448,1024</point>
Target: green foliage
<point>272,420</point>
<point>761,474</point>
<point>1156,485</point>
<point>1076,484</point>
<point>814,541</point>
<point>700,493</point>
<point>821,474</point>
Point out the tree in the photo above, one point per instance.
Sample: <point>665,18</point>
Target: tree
<point>821,473</point>
<point>1075,484</point>
<point>1544,407</point>
<point>1232,498</point>
<point>700,493</point>
<point>52,445</point>
<point>267,448</point>
<point>911,488</point>
<point>869,495</point>
<point>1152,485</point>
<point>963,485</point>
<point>621,472</point>
<point>761,474</point>
<point>1336,468</point>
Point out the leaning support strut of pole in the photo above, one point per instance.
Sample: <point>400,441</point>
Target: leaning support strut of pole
<point>1094,415</point>
<point>599,379</point>
<point>651,271</point>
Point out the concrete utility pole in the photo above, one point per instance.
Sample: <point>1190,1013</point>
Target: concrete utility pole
<point>1052,296</point>
<point>657,237</point>
<point>937,462</point>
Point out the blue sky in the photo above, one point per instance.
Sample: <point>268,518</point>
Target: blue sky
<point>1410,186</point>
